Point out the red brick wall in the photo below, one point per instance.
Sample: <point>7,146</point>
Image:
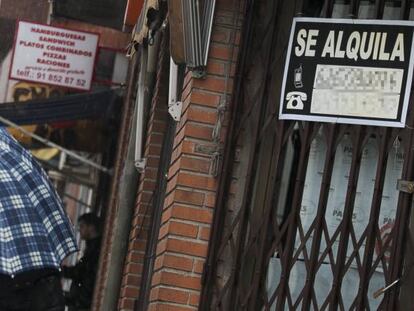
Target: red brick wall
<point>140,224</point>
<point>191,188</point>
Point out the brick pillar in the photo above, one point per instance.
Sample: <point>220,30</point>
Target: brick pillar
<point>191,189</point>
<point>156,128</point>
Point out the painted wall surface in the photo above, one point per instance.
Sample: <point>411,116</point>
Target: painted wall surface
<point>4,77</point>
<point>32,10</point>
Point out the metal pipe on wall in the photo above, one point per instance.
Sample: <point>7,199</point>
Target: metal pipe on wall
<point>146,80</point>
<point>129,180</point>
<point>139,112</point>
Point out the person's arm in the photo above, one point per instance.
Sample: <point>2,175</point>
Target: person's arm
<point>74,272</point>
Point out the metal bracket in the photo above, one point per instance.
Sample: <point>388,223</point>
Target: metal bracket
<point>62,160</point>
<point>140,165</point>
<point>384,289</point>
<point>198,72</point>
<point>209,149</point>
<point>405,186</point>
<point>216,159</point>
<point>216,154</point>
<point>175,110</point>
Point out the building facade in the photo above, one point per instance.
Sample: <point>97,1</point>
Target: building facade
<point>222,205</point>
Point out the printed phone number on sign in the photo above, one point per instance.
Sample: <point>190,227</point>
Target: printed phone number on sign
<point>49,77</point>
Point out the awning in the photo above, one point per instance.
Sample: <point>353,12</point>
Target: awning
<point>132,12</point>
<point>190,31</point>
<point>141,29</point>
<point>54,110</point>
<point>142,25</point>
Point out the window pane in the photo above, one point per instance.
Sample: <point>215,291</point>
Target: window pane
<point>360,220</point>
<point>309,208</point>
<point>386,219</point>
<point>333,217</point>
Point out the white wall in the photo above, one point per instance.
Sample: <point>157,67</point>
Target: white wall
<point>120,68</point>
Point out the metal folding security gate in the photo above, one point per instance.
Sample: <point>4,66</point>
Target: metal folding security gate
<point>308,215</point>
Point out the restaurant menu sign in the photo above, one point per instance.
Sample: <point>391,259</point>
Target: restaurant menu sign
<point>348,71</point>
<point>54,56</point>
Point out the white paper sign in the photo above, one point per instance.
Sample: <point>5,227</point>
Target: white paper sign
<point>55,56</point>
<point>348,71</point>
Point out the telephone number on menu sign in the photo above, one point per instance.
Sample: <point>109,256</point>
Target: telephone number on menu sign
<point>52,77</point>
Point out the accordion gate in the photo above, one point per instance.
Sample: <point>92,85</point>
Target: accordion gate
<point>308,216</point>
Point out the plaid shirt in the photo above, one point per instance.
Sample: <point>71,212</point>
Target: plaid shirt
<point>34,229</point>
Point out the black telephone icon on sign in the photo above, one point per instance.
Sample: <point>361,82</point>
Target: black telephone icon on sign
<point>295,100</point>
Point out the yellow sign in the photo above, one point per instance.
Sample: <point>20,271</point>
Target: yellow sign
<point>24,91</point>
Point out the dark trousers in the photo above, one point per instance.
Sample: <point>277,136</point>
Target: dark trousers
<point>44,294</point>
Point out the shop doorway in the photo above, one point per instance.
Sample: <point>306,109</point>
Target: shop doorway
<point>318,221</point>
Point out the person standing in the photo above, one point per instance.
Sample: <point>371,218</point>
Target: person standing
<point>34,290</point>
<point>83,274</point>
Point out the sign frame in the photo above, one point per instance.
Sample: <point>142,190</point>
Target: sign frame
<point>89,79</point>
<point>399,122</point>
